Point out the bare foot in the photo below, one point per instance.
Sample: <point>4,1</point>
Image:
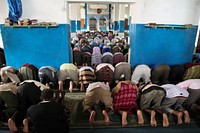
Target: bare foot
<point>25,122</point>
<point>82,87</point>
<point>92,116</point>
<point>153,122</point>
<point>12,126</point>
<point>82,90</point>
<point>140,117</point>
<point>70,86</point>
<point>70,89</point>
<point>180,114</point>
<point>106,117</point>
<point>47,85</point>
<point>186,117</point>
<point>165,120</point>
<point>60,85</point>
<point>107,83</point>
<point>124,120</point>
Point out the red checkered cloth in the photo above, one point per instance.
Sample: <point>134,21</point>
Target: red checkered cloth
<point>125,99</point>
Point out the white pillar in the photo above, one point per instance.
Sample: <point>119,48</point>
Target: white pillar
<point>112,15</point>
<point>197,37</point>
<point>121,11</point>
<point>67,13</point>
<point>116,18</point>
<point>78,18</point>
<point>73,11</point>
<point>1,41</point>
<point>73,18</point>
<point>121,19</point>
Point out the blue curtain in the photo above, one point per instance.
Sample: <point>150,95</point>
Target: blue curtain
<point>15,9</point>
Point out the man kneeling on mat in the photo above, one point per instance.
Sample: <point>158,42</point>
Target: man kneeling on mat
<point>98,93</point>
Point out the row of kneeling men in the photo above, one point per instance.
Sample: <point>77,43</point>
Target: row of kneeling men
<point>176,99</point>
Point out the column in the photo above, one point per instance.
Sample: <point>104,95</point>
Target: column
<point>110,27</point>
<point>73,17</point>
<point>121,19</point>
<point>127,15</point>
<point>78,17</point>
<point>67,12</point>
<point>116,18</point>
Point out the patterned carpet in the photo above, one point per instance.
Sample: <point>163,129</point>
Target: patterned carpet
<point>79,119</point>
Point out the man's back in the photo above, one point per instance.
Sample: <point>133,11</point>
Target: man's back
<point>48,117</point>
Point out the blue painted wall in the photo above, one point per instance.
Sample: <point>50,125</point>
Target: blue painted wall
<point>116,25</point>
<point>121,26</point>
<point>51,46</point>
<point>126,28</point>
<point>1,25</point>
<point>78,26</point>
<point>38,46</point>
<point>73,26</point>
<point>156,46</point>
<point>103,28</point>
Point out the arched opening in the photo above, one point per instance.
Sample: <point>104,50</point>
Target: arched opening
<point>93,24</point>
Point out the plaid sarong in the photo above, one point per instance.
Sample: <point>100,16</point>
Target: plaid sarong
<point>125,99</point>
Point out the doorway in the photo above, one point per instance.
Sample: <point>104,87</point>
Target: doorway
<point>92,24</point>
<point>107,18</point>
<point>103,24</point>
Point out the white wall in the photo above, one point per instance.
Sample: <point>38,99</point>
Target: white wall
<point>43,10</point>
<point>197,11</point>
<point>143,11</point>
<point>46,10</point>
<point>3,11</point>
<point>127,9</point>
<point>72,12</point>
<point>3,15</point>
<point>165,11</point>
<point>83,13</point>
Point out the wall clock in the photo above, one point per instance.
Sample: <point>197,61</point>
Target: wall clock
<point>99,11</point>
